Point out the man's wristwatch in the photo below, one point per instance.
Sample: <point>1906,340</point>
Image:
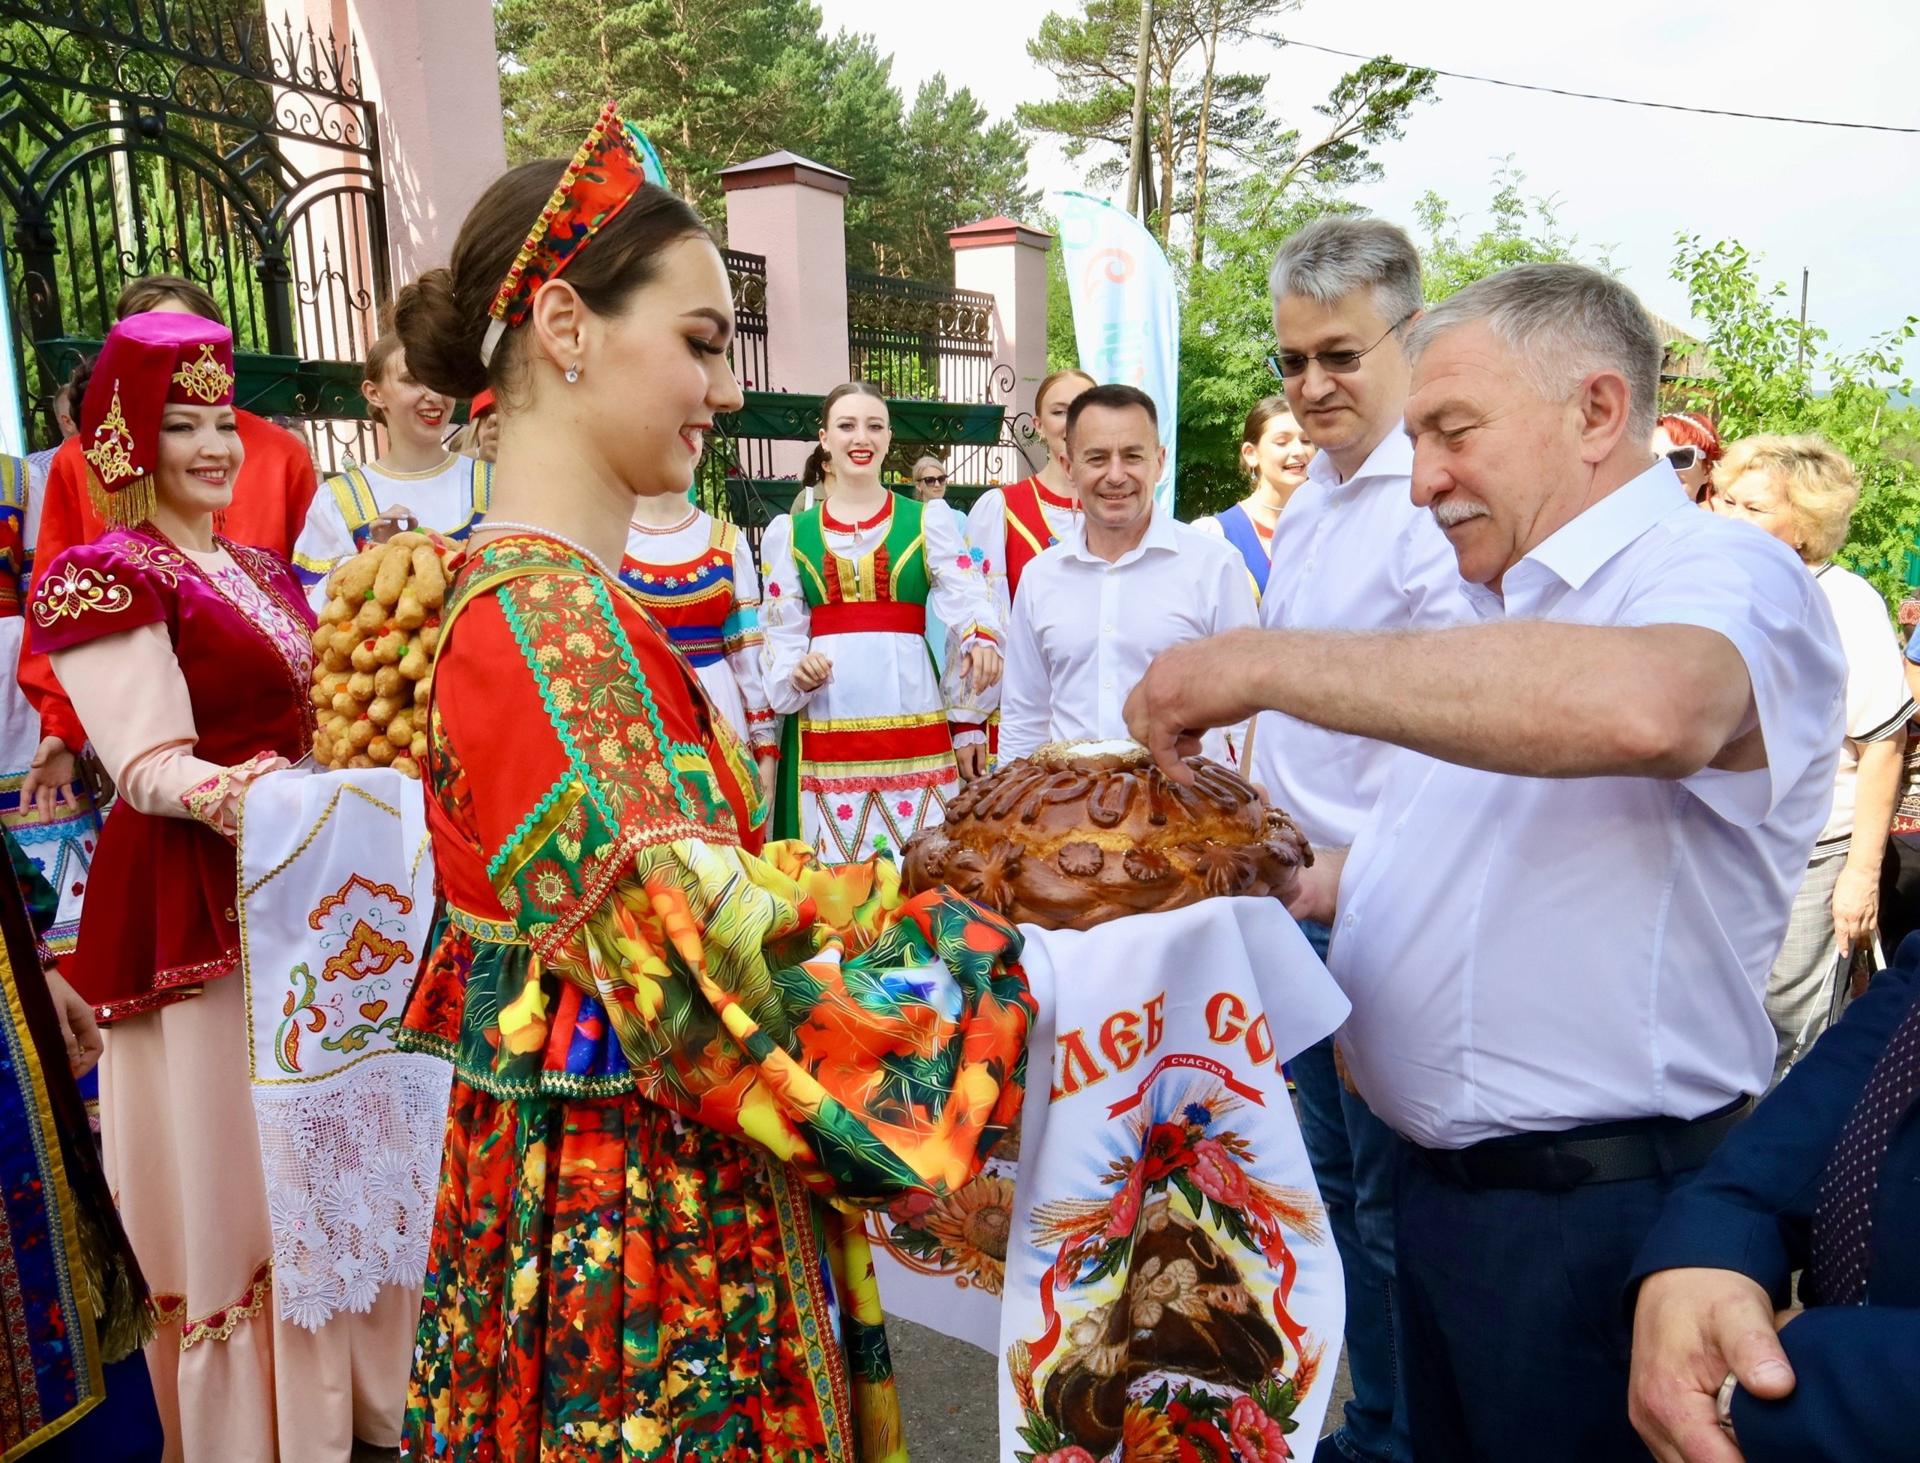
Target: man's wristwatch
<point>1723,1404</point>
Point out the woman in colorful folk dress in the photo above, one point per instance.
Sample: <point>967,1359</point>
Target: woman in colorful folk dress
<point>697,576</point>
<point>1275,453</point>
<point>189,659</point>
<point>58,825</point>
<point>876,740</point>
<point>418,475</point>
<point>1010,526</point>
<point>679,1063</point>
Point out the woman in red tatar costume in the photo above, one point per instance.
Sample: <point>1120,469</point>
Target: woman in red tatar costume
<point>681,1064</point>
<point>189,659</point>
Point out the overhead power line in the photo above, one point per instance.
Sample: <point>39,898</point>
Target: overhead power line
<point>1590,96</point>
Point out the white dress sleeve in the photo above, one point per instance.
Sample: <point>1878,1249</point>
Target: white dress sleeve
<point>323,542</point>
<point>958,598</point>
<point>987,533</point>
<point>742,638</point>
<point>786,624</point>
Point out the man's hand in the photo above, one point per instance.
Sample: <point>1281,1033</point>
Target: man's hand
<point>1856,907</point>
<point>78,1029</point>
<point>1315,896</point>
<point>813,672</point>
<point>1190,689</point>
<point>981,666</point>
<point>1690,1328</point>
<point>49,779</point>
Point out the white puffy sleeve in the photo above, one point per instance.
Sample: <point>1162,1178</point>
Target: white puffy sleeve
<point>741,639</point>
<point>987,533</point>
<point>323,542</point>
<point>960,599</point>
<point>786,624</point>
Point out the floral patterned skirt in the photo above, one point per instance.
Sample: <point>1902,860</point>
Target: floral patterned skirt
<point>610,1281</point>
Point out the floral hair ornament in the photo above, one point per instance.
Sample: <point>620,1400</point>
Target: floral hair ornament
<point>149,361</point>
<point>611,166</point>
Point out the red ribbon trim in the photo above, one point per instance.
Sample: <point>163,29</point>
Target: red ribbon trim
<point>1187,1059</point>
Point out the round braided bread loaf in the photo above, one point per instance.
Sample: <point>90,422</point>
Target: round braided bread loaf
<point>1082,833</point>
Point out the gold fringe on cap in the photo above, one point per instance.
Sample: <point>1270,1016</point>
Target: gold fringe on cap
<point>133,504</point>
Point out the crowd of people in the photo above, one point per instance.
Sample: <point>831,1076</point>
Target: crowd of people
<point>1601,752</point>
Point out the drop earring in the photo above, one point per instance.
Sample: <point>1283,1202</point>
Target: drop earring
<point>573,373</point>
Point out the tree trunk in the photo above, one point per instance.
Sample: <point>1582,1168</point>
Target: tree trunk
<point>1137,163</point>
<point>1200,146</point>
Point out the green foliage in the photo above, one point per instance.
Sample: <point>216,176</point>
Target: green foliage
<point>1759,374</point>
<point>1522,231</point>
<point>717,82</point>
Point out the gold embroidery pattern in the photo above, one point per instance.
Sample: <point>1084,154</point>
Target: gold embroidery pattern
<point>112,450</point>
<point>160,560</point>
<point>206,378</point>
<point>77,591</point>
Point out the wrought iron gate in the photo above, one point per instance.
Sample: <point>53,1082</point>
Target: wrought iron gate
<point>186,137</point>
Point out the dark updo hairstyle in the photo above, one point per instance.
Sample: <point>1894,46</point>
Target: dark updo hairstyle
<point>815,472</point>
<point>443,315</point>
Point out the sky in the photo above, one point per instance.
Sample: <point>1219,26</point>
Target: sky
<point>1624,180</point>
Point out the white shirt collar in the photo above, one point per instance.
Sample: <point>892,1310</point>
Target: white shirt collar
<point>1159,535</point>
<point>1393,458</point>
<point>1577,550</point>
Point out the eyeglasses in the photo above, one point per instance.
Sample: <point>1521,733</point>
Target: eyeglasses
<point>933,480</point>
<point>1289,364</point>
<point>1685,459</point>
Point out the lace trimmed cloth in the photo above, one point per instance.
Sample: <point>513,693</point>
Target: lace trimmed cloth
<point>336,895</point>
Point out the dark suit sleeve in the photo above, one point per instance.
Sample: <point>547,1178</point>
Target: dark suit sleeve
<point>1751,1208</point>
<point>1852,1399</point>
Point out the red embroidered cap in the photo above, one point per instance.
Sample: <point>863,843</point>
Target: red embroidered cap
<point>148,361</point>
<point>603,176</point>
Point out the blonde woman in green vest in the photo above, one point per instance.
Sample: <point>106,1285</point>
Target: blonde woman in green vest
<point>875,740</point>
<point>417,475</point>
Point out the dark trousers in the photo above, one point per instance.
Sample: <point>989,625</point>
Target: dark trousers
<point>1517,1333</point>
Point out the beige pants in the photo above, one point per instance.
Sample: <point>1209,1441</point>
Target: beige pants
<point>233,1381</point>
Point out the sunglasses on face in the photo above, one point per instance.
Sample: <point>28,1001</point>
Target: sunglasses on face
<point>933,480</point>
<point>1685,459</point>
<point>1288,364</point>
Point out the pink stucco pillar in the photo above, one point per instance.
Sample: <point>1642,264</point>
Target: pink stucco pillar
<point>793,211</point>
<point>1008,260</point>
<point>431,67</point>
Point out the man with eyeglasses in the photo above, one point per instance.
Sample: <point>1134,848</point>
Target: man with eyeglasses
<point>1351,552</point>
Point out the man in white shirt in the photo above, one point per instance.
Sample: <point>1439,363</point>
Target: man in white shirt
<point>1351,552</point>
<point>1557,924</point>
<point>1124,584</point>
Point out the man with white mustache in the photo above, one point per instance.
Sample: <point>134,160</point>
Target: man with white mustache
<point>1351,553</point>
<point>1557,925</point>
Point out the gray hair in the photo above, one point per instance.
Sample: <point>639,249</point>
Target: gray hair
<point>1564,321</point>
<point>1333,257</point>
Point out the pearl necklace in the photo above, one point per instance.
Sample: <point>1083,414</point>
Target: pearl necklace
<point>490,525</point>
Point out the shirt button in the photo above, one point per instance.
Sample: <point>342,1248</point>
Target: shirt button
<point>1347,923</point>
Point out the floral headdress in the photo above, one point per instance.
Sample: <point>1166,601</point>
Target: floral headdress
<point>602,178</point>
<point>149,361</point>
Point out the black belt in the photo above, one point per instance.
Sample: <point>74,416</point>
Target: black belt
<point>1606,1153</point>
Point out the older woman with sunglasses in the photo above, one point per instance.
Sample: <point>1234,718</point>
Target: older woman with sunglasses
<point>1691,446</point>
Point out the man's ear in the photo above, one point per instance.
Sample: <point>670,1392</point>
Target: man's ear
<point>1605,403</point>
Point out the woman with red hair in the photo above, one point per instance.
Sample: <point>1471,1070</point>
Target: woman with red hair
<point>1688,441</point>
